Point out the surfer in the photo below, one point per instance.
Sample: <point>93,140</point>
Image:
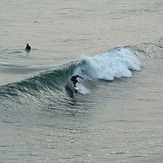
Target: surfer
<point>28,48</point>
<point>74,79</point>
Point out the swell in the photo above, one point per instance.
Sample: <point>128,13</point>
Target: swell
<point>52,80</point>
<point>115,63</point>
<point>147,50</point>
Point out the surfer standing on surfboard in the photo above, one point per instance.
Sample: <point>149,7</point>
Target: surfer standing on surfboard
<point>74,79</point>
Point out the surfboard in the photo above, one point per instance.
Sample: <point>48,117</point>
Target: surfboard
<point>76,89</point>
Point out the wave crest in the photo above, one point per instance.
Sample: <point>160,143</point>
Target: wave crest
<point>113,64</point>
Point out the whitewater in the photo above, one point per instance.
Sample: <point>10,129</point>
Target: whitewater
<point>116,115</point>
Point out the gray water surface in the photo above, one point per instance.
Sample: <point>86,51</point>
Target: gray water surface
<point>119,121</point>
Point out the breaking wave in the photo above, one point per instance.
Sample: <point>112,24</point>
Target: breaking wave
<point>116,63</point>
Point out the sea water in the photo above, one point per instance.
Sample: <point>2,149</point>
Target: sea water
<point>116,46</point>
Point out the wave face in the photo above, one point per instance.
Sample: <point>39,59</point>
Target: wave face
<point>115,63</point>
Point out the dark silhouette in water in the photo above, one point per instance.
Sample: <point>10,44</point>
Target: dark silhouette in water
<point>74,79</point>
<point>28,48</point>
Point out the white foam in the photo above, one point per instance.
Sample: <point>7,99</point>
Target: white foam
<point>82,89</point>
<point>113,64</point>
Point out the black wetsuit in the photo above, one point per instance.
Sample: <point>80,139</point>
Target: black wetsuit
<point>74,79</point>
<point>28,48</point>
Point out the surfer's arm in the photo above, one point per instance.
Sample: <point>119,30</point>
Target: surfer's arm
<point>80,77</point>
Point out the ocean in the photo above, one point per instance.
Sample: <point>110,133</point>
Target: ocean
<point>117,114</point>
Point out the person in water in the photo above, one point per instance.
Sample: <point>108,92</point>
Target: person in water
<point>74,79</point>
<point>28,48</point>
